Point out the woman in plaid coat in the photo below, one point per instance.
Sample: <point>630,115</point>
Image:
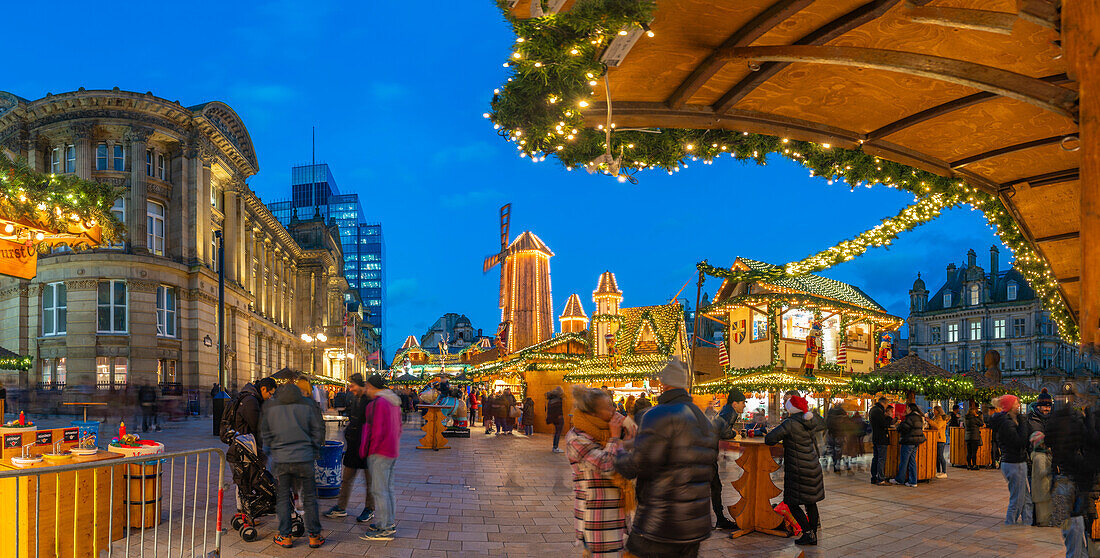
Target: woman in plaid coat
<point>602,496</point>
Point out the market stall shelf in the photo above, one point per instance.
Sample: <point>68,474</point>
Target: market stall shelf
<point>433,429</point>
<point>926,456</point>
<point>71,515</point>
<point>754,512</point>
<point>958,447</point>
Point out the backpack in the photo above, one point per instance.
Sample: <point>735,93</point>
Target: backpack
<point>226,431</point>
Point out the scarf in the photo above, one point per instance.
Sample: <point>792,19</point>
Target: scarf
<point>599,431</point>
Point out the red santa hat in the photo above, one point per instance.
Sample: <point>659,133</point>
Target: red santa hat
<point>1006,402</point>
<point>798,404</point>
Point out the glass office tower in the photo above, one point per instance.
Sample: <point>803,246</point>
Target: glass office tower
<point>314,192</point>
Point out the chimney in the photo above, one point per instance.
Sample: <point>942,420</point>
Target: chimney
<point>993,263</point>
<point>971,258</point>
<point>950,270</point>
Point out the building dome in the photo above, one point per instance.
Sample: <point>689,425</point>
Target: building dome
<point>918,285</point>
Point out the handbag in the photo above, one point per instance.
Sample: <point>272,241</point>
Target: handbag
<point>513,412</point>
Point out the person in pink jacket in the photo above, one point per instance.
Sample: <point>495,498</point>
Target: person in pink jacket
<point>379,445</point>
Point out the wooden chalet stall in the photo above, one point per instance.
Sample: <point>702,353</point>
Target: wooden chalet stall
<point>767,322</point>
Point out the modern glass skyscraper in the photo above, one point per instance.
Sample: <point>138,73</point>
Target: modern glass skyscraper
<point>314,192</point>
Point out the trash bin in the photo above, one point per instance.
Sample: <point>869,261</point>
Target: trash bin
<point>327,469</point>
<point>88,428</point>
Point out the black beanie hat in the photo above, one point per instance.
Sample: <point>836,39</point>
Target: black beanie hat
<point>1044,398</point>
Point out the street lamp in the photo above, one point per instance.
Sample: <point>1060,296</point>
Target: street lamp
<point>313,339</point>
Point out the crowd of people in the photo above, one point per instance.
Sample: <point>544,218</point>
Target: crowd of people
<point>287,426</point>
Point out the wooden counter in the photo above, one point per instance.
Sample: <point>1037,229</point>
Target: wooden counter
<point>74,509</point>
<point>926,456</point>
<point>753,512</point>
<point>958,447</point>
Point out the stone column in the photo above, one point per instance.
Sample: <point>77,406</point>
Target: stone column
<point>179,210</point>
<point>231,234</point>
<point>80,339</point>
<point>143,330</point>
<point>136,204</point>
<point>204,230</point>
<point>85,149</point>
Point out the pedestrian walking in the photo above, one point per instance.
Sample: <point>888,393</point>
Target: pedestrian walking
<point>972,423</point>
<point>1073,436</point>
<point>356,402</point>
<point>602,496</point>
<point>939,424</point>
<point>488,404</point>
<point>1039,460</point>
<point>379,446</point>
<point>673,461</point>
<point>502,406</point>
<point>853,444</point>
<point>726,424</point>
<point>242,417</point>
<point>528,416</point>
<point>836,431</point>
<point>147,398</point>
<point>881,421</point>
<point>555,415</point>
<point>1012,437</point>
<point>803,482</point>
<point>910,437</point>
<point>293,433</point>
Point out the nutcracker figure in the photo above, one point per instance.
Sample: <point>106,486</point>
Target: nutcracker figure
<point>885,353</point>
<point>813,349</point>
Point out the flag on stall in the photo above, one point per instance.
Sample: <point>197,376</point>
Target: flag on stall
<point>376,355</point>
<point>723,356</point>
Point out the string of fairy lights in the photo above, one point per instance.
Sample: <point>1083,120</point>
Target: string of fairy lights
<point>555,72</point>
<point>55,201</point>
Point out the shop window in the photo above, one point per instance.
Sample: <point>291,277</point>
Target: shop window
<point>166,371</point>
<point>111,305</point>
<point>54,312</point>
<point>110,372</point>
<point>166,311</point>
<point>759,326</point>
<point>796,323</point>
<point>101,157</point>
<point>118,160</point>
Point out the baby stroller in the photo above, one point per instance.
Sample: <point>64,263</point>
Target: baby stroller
<point>257,489</point>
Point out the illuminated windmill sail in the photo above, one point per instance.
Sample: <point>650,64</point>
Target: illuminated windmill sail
<point>526,306</point>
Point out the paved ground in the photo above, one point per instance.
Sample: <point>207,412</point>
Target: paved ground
<point>492,496</point>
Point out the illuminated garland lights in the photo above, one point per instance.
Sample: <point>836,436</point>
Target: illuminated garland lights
<point>57,200</point>
<point>16,363</point>
<point>555,71</point>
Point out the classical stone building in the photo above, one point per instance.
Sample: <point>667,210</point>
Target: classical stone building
<point>146,309</point>
<point>974,311</point>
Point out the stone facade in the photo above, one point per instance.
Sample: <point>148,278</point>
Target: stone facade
<point>146,309</point>
<point>975,311</point>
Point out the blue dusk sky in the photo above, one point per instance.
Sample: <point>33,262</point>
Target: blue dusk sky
<point>396,93</point>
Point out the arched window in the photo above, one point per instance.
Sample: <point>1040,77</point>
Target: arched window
<point>975,294</point>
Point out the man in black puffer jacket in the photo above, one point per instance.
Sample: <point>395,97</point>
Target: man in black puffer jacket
<point>880,420</point>
<point>673,462</point>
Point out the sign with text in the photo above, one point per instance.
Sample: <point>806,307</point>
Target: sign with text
<point>70,435</point>
<point>13,441</point>
<point>43,437</point>
<point>18,260</point>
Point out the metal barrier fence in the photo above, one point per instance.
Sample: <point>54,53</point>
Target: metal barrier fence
<point>115,507</point>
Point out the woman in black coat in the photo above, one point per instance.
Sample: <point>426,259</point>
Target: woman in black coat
<point>973,436</point>
<point>803,483</point>
<point>910,437</point>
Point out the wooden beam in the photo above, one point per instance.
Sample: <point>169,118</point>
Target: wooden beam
<point>1057,237</point>
<point>948,107</point>
<point>1053,140</point>
<point>1047,178</point>
<point>754,29</point>
<point>835,28</point>
<point>963,18</point>
<point>1031,90</point>
<point>1069,279</point>
<point>1081,40</point>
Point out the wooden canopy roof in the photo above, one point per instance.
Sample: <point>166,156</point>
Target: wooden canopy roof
<point>975,89</point>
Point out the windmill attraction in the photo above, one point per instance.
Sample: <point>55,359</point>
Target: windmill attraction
<point>526,305</point>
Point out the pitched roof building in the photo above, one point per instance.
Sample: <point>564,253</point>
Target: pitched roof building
<point>974,310</point>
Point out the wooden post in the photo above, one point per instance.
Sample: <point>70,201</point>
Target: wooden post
<point>1081,43</point>
<point>695,328</point>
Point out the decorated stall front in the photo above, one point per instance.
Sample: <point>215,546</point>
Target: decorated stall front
<point>785,332</point>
